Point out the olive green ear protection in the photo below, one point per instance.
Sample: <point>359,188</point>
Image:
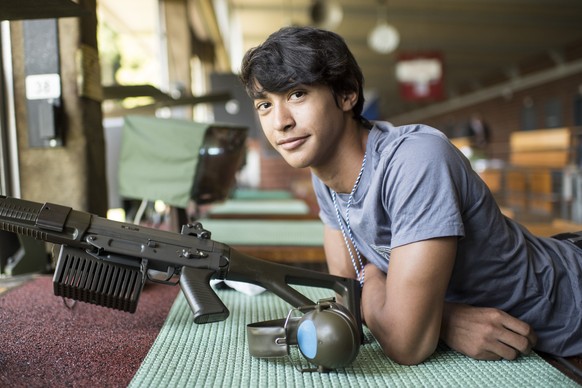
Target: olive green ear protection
<point>327,335</point>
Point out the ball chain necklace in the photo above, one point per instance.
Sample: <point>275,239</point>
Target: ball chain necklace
<point>359,272</point>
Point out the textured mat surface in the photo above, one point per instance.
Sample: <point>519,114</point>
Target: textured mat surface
<point>216,355</point>
<point>45,344</point>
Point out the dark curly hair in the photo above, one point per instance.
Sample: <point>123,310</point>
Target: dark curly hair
<point>303,55</point>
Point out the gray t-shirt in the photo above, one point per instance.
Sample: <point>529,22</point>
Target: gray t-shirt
<point>415,186</point>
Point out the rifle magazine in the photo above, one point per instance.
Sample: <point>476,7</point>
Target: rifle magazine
<point>83,277</point>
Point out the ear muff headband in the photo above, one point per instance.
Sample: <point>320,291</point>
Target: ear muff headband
<point>327,335</point>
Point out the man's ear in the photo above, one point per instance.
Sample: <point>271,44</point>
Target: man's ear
<point>348,101</point>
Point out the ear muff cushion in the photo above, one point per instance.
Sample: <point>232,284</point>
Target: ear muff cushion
<point>329,338</point>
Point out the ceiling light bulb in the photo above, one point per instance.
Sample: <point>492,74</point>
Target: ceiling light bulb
<point>326,14</point>
<point>384,38</point>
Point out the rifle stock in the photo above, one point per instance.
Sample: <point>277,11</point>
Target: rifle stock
<point>106,262</point>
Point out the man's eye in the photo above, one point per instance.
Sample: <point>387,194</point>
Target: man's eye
<point>262,105</point>
<point>297,94</point>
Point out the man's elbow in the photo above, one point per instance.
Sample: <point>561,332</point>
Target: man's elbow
<point>408,355</point>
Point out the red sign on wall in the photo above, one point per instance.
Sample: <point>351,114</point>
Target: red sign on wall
<point>420,76</point>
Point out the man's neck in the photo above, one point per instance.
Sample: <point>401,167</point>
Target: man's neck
<point>340,171</point>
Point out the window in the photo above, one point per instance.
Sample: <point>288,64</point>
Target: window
<point>553,117</point>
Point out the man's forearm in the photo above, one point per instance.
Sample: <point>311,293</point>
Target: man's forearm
<point>404,343</point>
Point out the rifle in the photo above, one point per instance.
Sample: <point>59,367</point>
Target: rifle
<point>106,262</point>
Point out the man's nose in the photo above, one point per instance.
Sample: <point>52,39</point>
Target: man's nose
<point>283,118</point>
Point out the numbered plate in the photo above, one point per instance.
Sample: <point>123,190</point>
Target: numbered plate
<point>43,86</point>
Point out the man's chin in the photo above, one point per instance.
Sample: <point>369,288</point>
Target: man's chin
<point>296,162</point>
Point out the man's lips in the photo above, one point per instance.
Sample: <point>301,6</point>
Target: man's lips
<point>292,143</point>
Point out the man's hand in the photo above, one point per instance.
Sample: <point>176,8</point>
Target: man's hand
<point>485,333</point>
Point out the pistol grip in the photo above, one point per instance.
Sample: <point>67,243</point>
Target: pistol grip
<point>205,304</point>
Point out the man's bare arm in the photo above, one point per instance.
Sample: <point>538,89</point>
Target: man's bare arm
<point>480,333</point>
<point>337,256</point>
<point>404,308</point>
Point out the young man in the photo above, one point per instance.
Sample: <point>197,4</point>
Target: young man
<point>406,215</point>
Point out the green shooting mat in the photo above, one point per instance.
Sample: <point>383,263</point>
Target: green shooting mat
<point>215,355</point>
<point>258,195</point>
<point>268,206</point>
<point>266,232</point>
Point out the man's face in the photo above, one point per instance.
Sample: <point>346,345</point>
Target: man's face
<point>303,124</point>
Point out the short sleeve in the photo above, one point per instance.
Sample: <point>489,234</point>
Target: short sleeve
<point>425,187</point>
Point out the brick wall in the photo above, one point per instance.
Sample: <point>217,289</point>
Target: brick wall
<point>277,174</point>
<point>504,114</point>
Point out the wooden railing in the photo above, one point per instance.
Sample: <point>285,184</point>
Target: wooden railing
<point>532,179</point>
